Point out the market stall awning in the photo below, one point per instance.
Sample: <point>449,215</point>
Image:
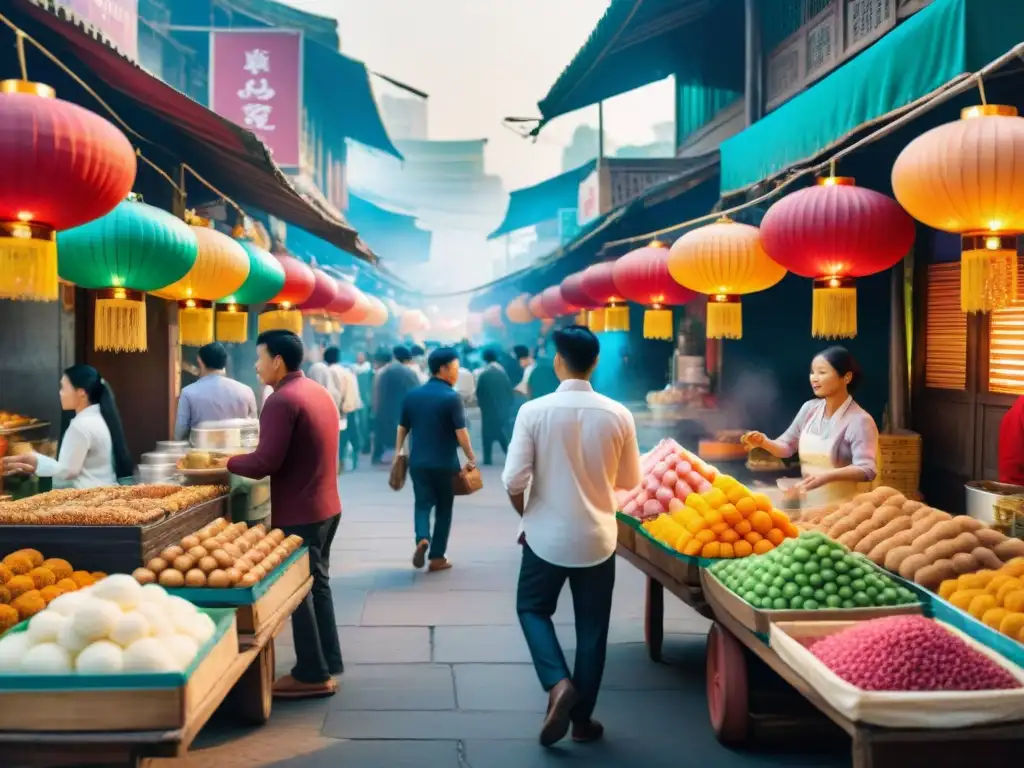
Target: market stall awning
<point>541,202</point>
<point>936,46</point>
<point>175,128</point>
<point>337,92</point>
<point>638,42</point>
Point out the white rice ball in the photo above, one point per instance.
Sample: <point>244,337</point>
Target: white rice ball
<point>45,627</point>
<point>119,588</point>
<point>13,647</point>
<point>71,641</point>
<point>130,627</point>
<point>153,594</point>
<point>95,619</point>
<point>46,659</point>
<point>148,655</point>
<point>68,603</point>
<point>183,649</point>
<point>101,658</point>
<point>159,619</point>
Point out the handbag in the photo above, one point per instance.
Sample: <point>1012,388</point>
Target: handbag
<point>467,481</point>
<point>399,471</point>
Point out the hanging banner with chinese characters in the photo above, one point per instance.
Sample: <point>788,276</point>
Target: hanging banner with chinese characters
<point>118,20</point>
<point>256,82</point>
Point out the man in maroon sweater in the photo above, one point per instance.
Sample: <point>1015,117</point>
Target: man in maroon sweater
<point>298,450</point>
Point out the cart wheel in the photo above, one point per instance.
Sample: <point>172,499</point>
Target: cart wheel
<point>255,690</point>
<point>727,686</point>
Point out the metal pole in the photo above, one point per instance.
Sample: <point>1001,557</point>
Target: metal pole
<point>752,60</point>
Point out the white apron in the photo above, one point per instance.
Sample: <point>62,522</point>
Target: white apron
<point>816,451</point>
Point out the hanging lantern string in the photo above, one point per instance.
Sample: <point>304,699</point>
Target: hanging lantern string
<point>916,109</point>
<point>21,36</point>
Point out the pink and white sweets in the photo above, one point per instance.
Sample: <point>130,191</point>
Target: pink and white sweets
<point>909,653</point>
<point>671,473</point>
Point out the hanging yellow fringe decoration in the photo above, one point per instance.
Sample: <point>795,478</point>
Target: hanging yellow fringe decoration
<point>28,261</point>
<point>616,317</point>
<point>281,317</point>
<point>988,272</point>
<point>725,317</point>
<point>834,308</point>
<point>595,320</point>
<point>581,318</point>
<point>120,321</point>
<point>232,323</point>
<point>658,323</point>
<point>195,323</point>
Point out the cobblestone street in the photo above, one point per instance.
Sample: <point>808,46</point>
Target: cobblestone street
<point>438,674</point>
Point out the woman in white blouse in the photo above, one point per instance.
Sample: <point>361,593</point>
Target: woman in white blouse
<point>93,451</point>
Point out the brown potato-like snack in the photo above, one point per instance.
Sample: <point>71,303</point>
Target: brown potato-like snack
<point>987,558</point>
<point>195,578</point>
<point>912,564</point>
<point>207,564</point>
<point>190,541</point>
<point>921,513</point>
<point>172,578</point>
<point>991,538</point>
<point>184,563</point>
<point>895,525</point>
<point>947,548</point>
<point>931,576</point>
<point>910,507</point>
<point>144,576</point>
<point>896,556</point>
<point>965,562</point>
<point>157,565</point>
<point>948,529</point>
<point>1007,549</point>
<point>852,520</point>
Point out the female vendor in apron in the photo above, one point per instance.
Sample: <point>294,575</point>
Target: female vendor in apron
<point>837,439</point>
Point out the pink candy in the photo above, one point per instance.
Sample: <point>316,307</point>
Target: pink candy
<point>909,653</point>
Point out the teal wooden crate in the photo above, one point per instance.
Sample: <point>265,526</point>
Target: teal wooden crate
<point>14,683</point>
<point>238,596</point>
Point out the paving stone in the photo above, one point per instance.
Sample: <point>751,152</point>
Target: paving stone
<point>441,609</point>
<point>380,754</point>
<point>396,687</point>
<point>428,726</point>
<point>348,605</point>
<point>499,687</point>
<point>489,645</point>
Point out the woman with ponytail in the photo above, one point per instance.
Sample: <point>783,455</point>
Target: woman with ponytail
<point>93,451</point>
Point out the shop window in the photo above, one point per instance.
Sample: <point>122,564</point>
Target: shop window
<point>945,330</point>
<point>1006,345</point>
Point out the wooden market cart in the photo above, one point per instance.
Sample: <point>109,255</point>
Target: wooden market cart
<point>241,682</point>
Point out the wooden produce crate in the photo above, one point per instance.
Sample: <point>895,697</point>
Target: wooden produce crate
<point>682,568</point>
<point>111,548</point>
<point>118,703</point>
<point>937,710</point>
<point>258,604</point>
<point>759,621</point>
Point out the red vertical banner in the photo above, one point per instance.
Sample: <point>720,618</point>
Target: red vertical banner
<point>256,82</point>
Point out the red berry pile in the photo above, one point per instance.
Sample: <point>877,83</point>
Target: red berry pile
<point>909,653</point>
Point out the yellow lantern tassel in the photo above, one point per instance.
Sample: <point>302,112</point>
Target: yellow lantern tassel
<point>28,262</point>
<point>595,320</point>
<point>988,272</point>
<point>725,317</point>
<point>195,323</point>
<point>232,323</point>
<point>281,318</point>
<point>658,323</point>
<point>834,308</point>
<point>119,324</point>
<point>581,318</point>
<point>616,317</point>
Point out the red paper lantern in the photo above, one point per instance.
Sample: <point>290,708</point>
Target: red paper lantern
<point>344,300</point>
<point>63,166</point>
<point>554,303</point>
<point>572,292</point>
<point>281,312</point>
<point>537,308</point>
<point>599,285</point>
<point>358,313</point>
<point>518,312</point>
<point>493,316</point>
<point>642,276</point>
<point>834,232</point>
<point>325,290</point>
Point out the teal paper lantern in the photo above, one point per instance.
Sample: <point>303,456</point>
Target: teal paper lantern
<point>134,249</point>
<point>265,281</point>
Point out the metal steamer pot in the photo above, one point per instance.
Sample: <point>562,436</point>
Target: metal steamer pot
<point>982,496</point>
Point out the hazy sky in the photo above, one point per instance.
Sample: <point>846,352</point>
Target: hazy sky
<point>482,60</point>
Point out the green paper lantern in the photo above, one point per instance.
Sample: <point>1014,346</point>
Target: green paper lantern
<point>134,249</point>
<point>265,281</point>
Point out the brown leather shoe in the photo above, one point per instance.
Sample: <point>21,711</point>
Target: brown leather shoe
<point>288,687</point>
<point>562,698</point>
<point>587,732</point>
<point>419,558</point>
<point>439,564</point>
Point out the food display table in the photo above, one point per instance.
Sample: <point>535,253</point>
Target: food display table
<point>240,678</point>
<point>111,548</point>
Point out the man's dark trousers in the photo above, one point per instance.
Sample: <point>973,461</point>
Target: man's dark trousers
<point>540,583</point>
<point>317,649</point>
<point>432,489</point>
<point>494,430</point>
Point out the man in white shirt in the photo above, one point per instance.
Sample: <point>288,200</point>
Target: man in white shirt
<point>350,403</point>
<point>570,450</point>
